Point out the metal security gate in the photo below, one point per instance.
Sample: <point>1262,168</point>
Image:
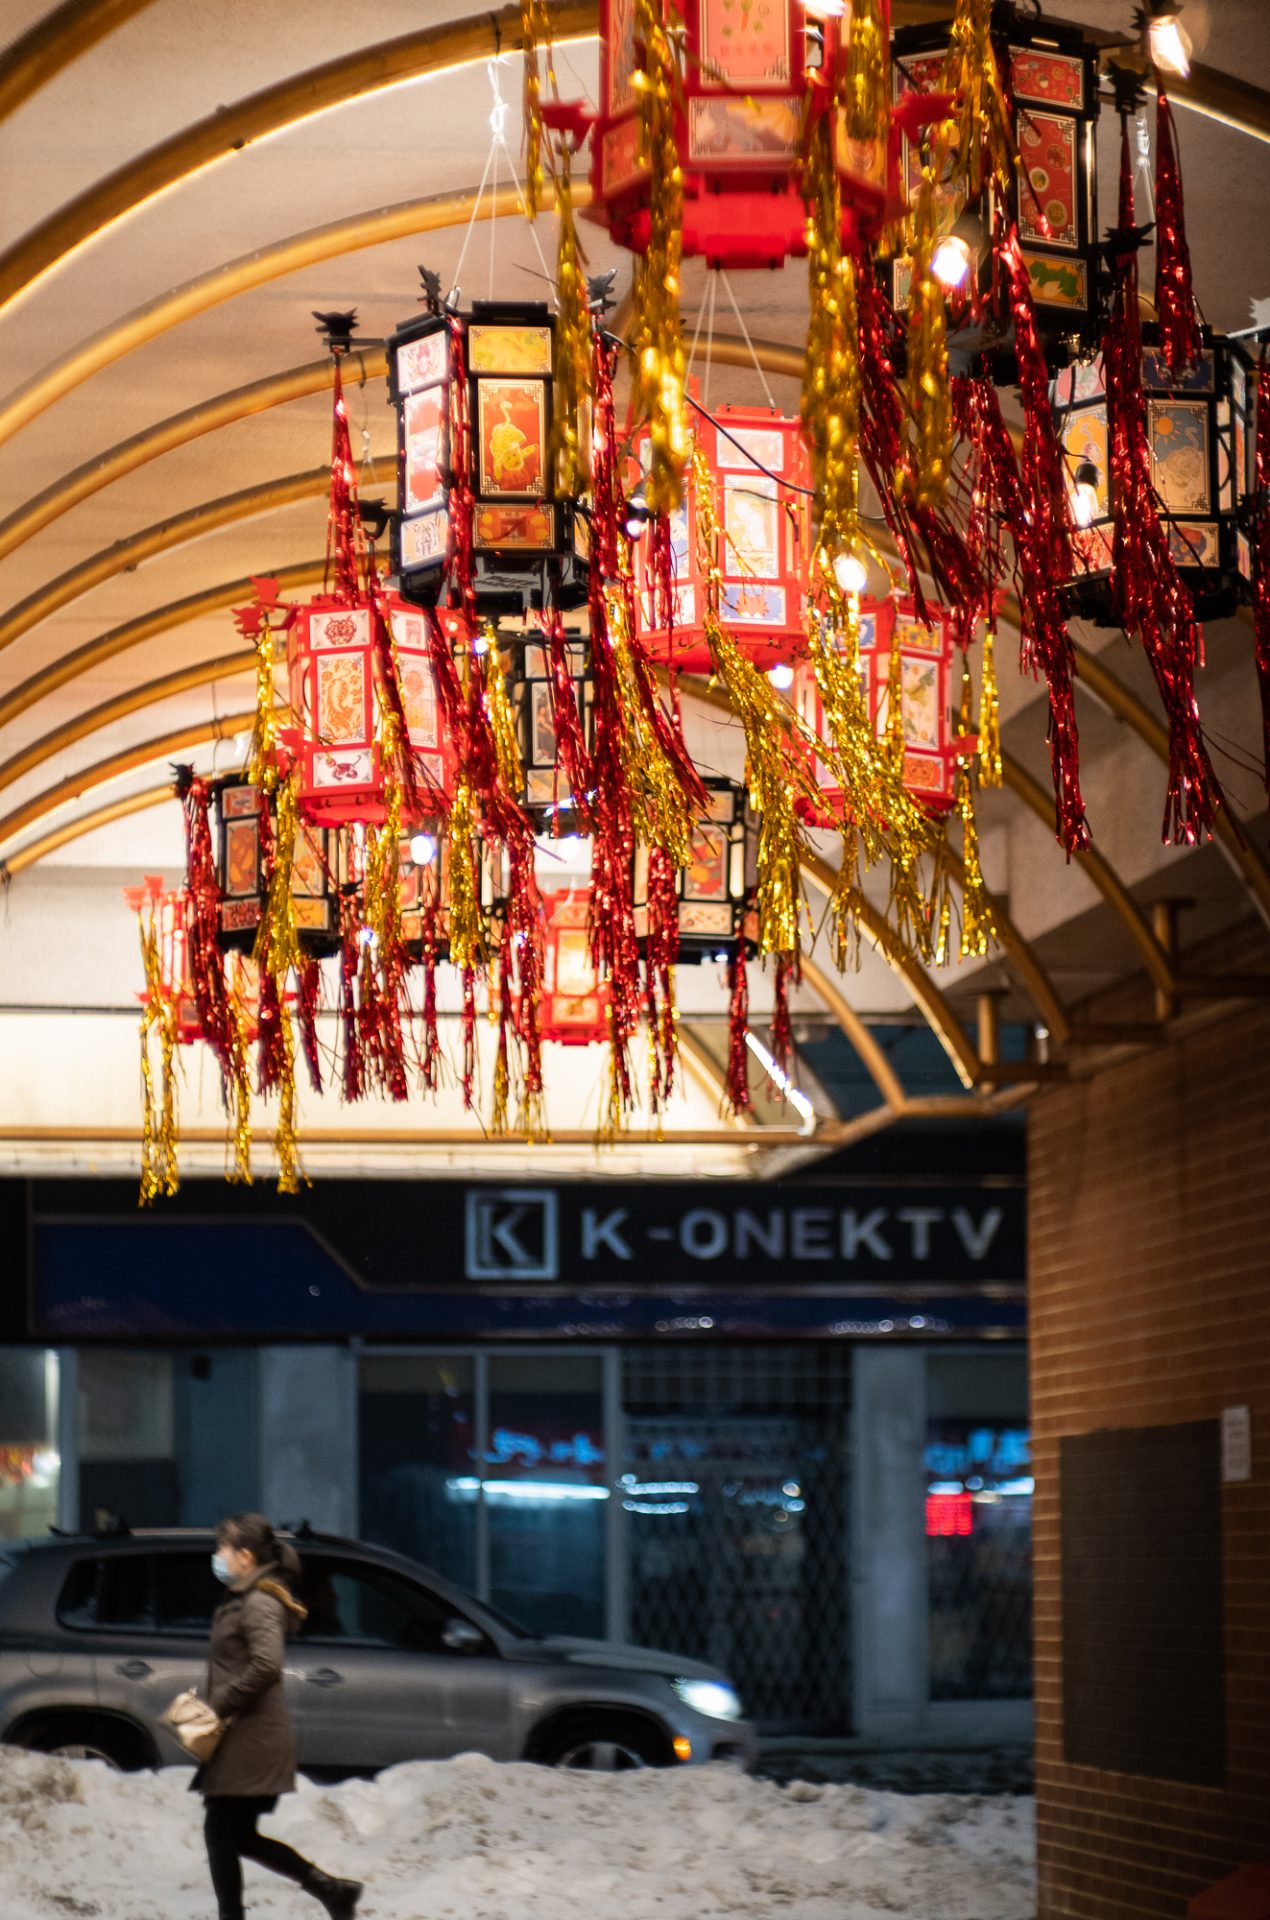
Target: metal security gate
<point>734,1491</point>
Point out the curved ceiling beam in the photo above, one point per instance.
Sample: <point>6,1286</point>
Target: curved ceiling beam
<point>135,700</point>
<point>1022,958</point>
<point>227,131</point>
<point>872,1056</point>
<point>1239,852</point>
<point>94,653</point>
<point>1101,873</point>
<point>354,233</point>
<point>938,1013</point>
<point>37,55</point>
<point>82,824</point>
<point>209,416</point>
<point>176,740</point>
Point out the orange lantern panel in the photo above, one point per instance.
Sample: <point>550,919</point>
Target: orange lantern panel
<point>574,1008</point>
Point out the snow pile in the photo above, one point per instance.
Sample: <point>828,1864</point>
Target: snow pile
<point>467,1839</point>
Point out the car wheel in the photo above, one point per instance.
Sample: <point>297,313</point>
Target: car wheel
<point>599,1746</point>
<point>84,1739</point>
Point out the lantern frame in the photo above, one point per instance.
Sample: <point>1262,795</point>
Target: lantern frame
<point>335,691</point>
<point>573,1007</point>
<point>1052,83</point>
<point>322,856</point>
<point>715,891</point>
<point>528,541</point>
<point>1210,411</point>
<point>532,692</point>
<point>760,472</point>
<point>932,748</point>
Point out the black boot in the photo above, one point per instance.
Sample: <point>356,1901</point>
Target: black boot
<point>339,1897</point>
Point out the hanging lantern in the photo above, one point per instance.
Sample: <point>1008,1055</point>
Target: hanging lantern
<point>546,794</point>
<point>1050,75</point>
<point>761,483</point>
<point>525,538</point>
<point>739,112</point>
<point>1201,438</point>
<point>931,746</point>
<point>319,868</point>
<point>170,907</point>
<point>715,890</point>
<point>574,1008</point>
<point>334,648</point>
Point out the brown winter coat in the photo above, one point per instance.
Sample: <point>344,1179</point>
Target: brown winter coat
<point>256,1755</point>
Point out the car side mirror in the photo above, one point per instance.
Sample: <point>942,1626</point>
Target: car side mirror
<point>460,1636</point>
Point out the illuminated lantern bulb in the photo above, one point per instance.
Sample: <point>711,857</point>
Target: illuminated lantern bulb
<point>956,257</point>
<point>781,676</point>
<point>637,512</point>
<point>850,572</point>
<point>1085,494</point>
<point>423,849</point>
<point>1168,44</point>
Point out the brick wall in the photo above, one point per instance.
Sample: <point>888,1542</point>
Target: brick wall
<point>1149,1285</point>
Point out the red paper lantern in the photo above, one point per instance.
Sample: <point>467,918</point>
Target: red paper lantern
<point>334,648</point>
<point>758,467</point>
<point>747,77</point>
<point>932,746</point>
<point>170,907</point>
<point>574,1008</point>
<point>318,869</point>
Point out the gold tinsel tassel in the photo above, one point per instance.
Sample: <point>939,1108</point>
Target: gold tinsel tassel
<point>535,34</point>
<point>831,395</point>
<point>660,371</point>
<point>570,454</point>
<point>263,762</point>
<point>929,395</point>
<point>502,719</point>
<point>976,146</point>
<point>978,926</point>
<point>277,947</point>
<point>239,1080</point>
<point>289,1175</point>
<point>467,943</point>
<point>868,82</point>
<point>158,1113</point>
<point>990,770</point>
<point>895,708</point>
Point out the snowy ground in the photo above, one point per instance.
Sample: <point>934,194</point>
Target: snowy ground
<point>468,1840</point>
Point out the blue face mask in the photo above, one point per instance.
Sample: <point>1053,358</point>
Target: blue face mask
<point>221,1569</point>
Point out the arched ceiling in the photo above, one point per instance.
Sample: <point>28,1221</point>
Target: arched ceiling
<point>181,183</point>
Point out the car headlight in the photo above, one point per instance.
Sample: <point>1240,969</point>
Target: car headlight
<point>709,1697</point>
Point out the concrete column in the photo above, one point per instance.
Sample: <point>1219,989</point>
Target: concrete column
<point>888,1542</point>
<point>308,1436</point>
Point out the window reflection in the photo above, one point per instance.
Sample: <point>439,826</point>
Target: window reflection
<point>417,1436</point>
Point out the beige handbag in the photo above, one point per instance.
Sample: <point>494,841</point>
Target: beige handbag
<point>198,1729</point>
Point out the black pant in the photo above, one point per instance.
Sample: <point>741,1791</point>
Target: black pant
<point>229,1828</point>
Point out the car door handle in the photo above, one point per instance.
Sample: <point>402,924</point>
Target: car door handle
<point>134,1669</point>
<point>326,1677</point>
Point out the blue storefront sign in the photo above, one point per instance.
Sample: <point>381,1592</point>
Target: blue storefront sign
<point>456,1260</point>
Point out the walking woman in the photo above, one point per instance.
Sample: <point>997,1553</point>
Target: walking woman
<point>255,1760</point>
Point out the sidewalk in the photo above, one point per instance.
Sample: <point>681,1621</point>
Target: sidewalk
<point>958,1768</point>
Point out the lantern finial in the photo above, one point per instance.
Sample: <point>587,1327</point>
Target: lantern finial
<point>337,329</point>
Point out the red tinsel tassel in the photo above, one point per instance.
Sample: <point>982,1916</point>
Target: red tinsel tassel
<point>308,1002</point>
<point>271,1056</point>
<point>430,1065</point>
<point>469,1036</point>
<point>204,959</point>
<point>1261,556</point>
<point>460,505</point>
<point>661,952</point>
<point>1181,342</point>
<point>1151,597</point>
<point>781,1030</point>
<point>354,1065</point>
<point>526,930</point>
<point>736,1084</point>
<point>572,757</point>
<point>342,523</point>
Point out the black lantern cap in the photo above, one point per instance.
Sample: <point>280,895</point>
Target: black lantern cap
<point>337,329</point>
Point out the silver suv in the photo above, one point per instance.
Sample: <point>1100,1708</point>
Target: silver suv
<point>392,1664</point>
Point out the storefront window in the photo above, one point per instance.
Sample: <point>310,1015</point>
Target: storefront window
<point>29,1464</point>
<point>545,1491</point>
<point>417,1438</point>
<point>127,1440</point>
<point>978,1474</point>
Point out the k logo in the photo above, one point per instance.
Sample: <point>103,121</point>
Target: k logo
<point>512,1234</point>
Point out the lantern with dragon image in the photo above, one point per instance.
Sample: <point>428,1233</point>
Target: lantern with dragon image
<point>167,909</point>
<point>473,393</point>
<point>1200,432</point>
<point>321,866</point>
<point>762,502</point>
<point>894,638</point>
<point>740,98</point>
<point>715,890</point>
<point>532,687</point>
<point>1050,75</point>
<point>334,651</point>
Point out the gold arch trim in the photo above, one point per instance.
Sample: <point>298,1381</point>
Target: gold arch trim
<point>38,55</point>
